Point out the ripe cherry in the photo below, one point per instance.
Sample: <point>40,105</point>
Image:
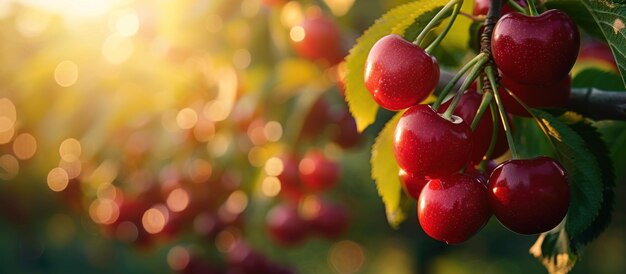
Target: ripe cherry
<point>290,184</point>
<point>345,133</point>
<point>412,184</point>
<point>529,196</point>
<point>454,208</point>
<point>535,50</point>
<point>285,225</point>
<point>317,172</point>
<point>426,144</point>
<point>329,220</point>
<point>318,38</point>
<point>552,95</point>
<point>399,74</point>
<point>466,109</point>
<point>481,7</point>
<point>316,120</point>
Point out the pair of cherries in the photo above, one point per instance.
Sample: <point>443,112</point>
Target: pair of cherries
<point>528,196</point>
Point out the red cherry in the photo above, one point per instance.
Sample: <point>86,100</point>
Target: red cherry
<point>290,184</point>
<point>535,50</point>
<point>550,95</point>
<point>318,172</point>
<point>285,225</point>
<point>412,184</point>
<point>346,134</point>
<point>529,196</point>
<point>330,220</point>
<point>466,109</point>
<point>454,208</point>
<point>427,144</point>
<point>321,40</point>
<point>481,7</point>
<point>399,74</point>
<point>316,120</point>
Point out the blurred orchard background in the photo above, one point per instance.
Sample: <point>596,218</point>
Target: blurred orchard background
<point>162,136</point>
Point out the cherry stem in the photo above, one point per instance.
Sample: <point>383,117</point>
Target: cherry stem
<point>531,8</point>
<point>494,137</point>
<point>466,83</point>
<point>443,34</point>
<point>484,104</point>
<point>517,6</point>
<point>435,21</point>
<point>503,117</point>
<point>444,92</point>
<point>472,17</point>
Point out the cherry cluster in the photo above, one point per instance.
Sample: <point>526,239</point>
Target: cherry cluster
<point>438,147</point>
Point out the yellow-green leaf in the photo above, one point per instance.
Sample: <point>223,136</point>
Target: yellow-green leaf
<point>397,20</point>
<point>385,173</point>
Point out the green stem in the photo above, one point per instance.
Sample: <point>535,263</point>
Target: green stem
<point>444,92</point>
<point>503,117</point>
<point>531,8</point>
<point>484,104</point>
<point>443,34</point>
<point>494,137</point>
<point>468,81</point>
<point>517,6</point>
<point>435,21</point>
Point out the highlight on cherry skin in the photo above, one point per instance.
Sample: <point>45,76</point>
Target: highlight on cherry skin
<point>529,196</point>
<point>399,74</point>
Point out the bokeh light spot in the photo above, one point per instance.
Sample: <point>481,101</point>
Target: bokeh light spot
<point>70,150</point>
<point>178,258</point>
<point>346,257</point>
<point>271,186</point>
<point>66,73</point>
<point>9,167</point>
<point>58,179</point>
<point>24,146</point>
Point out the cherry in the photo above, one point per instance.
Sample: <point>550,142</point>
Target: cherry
<point>481,7</point>
<point>426,144</point>
<point>321,40</point>
<point>346,134</point>
<point>412,184</point>
<point>550,95</point>
<point>290,184</point>
<point>529,196</point>
<point>535,50</point>
<point>466,109</point>
<point>329,220</point>
<point>454,208</point>
<point>318,172</point>
<point>285,225</point>
<point>316,120</point>
<point>399,74</point>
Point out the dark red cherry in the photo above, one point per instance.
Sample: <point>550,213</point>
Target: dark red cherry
<point>454,208</point>
<point>290,184</point>
<point>412,184</point>
<point>317,172</point>
<point>316,120</point>
<point>319,40</point>
<point>481,7</point>
<point>552,95</point>
<point>535,50</point>
<point>529,196</point>
<point>466,109</point>
<point>426,144</point>
<point>285,225</point>
<point>399,74</point>
<point>330,220</point>
<point>345,133</point>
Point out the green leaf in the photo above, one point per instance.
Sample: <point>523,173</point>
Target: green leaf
<point>385,174</point>
<point>583,173</point>
<point>599,79</point>
<point>596,145</point>
<point>397,20</point>
<point>610,17</point>
<point>614,134</point>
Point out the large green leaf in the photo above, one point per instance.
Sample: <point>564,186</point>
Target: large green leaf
<point>596,145</point>
<point>614,134</point>
<point>610,17</point>
<point>583,172</point>
<point>385,173</point>
<point>397,20</point>
<point>599,79</point>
